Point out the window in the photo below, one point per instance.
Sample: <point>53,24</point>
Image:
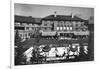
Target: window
<point>61,28</point>
<point>76,25</point>
<point>45,28</point>
<point>29,34</point>
<point>57,28</point>
<point>32,27</point>
<point>61,22</point>
<point>30,24</point>
<point>27,28</point>
<point>19,28</point>
<point>24,24</point>
<point>67,28</point>
<point>64,28</point>
<point>18,24</point>
<point>45,24</point>
<point>48,22</point>
<point>70,28</point>
<point>25,35</point>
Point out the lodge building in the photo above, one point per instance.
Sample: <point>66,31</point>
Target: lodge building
<point>64,24</point>
<point>52,25</point>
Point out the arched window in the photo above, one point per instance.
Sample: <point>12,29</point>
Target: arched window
<point>67,28</point>
<point>64,28</point>
<point>61,28</point>
<point>70,28</point>
<point>57,28</point>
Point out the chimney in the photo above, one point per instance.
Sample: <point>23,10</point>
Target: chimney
<point>72,15</point>
<point>30,16</point>
<point>55,15</point>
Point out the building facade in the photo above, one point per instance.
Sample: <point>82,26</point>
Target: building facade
<point>64,24</point>
<point>26,26</point>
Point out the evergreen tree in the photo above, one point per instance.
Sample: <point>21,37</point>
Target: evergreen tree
<point>37,36</point>
<point>17,37</point>
<point>18,50</point>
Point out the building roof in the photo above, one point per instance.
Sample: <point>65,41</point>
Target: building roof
<point>27,19</point>
<point>62,17</point>
<point>24,19</point>
<point>37,20</point>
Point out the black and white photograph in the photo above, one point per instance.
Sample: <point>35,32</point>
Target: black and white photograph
<point>47,34</point>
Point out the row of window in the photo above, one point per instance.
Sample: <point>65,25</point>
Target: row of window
<point>25,24</point>
<point>70,28</point>
<point>18,23</point>
<point>27,35</point>
<point>77,25</point>
<point>64,28</point>
<point>30,28</point>
<point>46,24</point>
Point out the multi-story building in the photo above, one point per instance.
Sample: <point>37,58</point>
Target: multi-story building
<point>26,26</point>
<point>64,24</point>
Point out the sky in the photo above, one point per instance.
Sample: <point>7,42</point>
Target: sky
<point>41,11</point>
